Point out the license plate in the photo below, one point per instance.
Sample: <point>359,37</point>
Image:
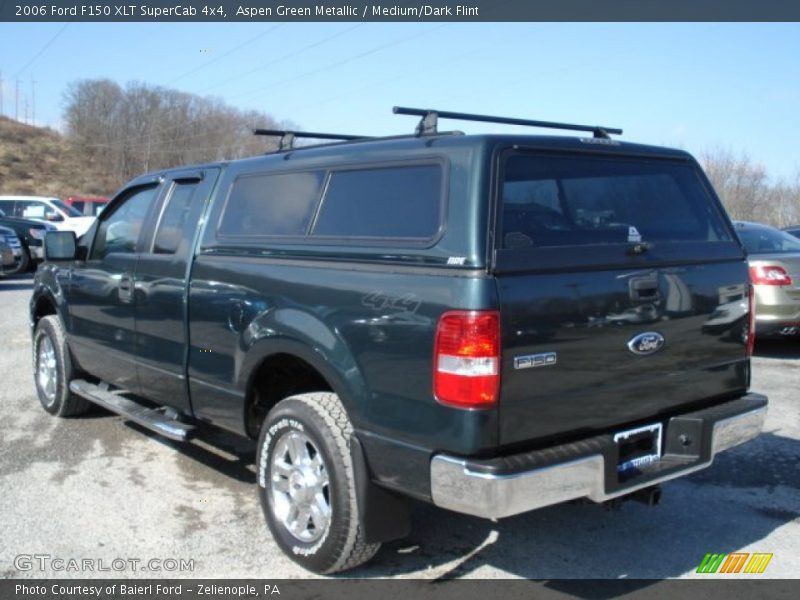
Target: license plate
<point>638,447</point>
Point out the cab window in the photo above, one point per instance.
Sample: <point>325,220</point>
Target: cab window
<point>119,231</point>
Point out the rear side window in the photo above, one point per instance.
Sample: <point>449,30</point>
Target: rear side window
<point>271,205</point>
<point>179,219</point>
<point>576,200</point>
<point>392,202</point>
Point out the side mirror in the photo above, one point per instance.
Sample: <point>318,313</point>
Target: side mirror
<point>60,245</point>
<point>53,217</point>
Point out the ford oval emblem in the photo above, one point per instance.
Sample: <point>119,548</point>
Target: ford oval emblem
<point>645,343</point>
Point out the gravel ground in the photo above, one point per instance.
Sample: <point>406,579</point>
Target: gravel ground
<point>99,488</point>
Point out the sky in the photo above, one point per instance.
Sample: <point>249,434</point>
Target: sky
<point>700,86</point>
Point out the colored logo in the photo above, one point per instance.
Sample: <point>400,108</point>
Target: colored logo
<point>649,342</point>
<point>736,562</point>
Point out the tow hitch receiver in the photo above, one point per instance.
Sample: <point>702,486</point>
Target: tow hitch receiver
<point>637,447</point>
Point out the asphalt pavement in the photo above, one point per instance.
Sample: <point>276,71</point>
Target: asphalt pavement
<point>99,489</point>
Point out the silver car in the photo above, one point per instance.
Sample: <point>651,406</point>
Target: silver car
<point>774,258</point>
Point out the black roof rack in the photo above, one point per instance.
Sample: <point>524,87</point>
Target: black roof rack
<point>430,117</point>
<point>288,137</point>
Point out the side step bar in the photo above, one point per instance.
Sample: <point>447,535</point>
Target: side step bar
<point>153,419</point>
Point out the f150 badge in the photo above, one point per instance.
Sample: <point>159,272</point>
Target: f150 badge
<point>645,343</point>
<point>530,361</point>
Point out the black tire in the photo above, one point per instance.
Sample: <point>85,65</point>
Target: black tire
<point>320,419</point>
<point>56,397</point>
<point>22,265</point>
<point>33,264</point>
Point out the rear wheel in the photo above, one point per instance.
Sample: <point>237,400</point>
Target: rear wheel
<point>53,370</point>
<point>306,484</point>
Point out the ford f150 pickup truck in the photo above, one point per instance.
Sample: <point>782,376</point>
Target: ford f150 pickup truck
<point>490,323</point>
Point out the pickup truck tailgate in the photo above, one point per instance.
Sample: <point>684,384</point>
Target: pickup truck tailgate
<point>622,292</point>
<point>567,365</point>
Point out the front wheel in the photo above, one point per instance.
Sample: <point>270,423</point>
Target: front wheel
<point>306,483</point>
<point>52,370</point>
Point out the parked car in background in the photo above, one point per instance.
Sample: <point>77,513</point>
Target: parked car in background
<point>793,230</point>
<point>89,206</point>
<point>774,258</point>
<point>19,264</point>
<point>31,236</point>
<point>50,210</point>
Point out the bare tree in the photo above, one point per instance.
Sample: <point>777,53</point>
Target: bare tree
<point>142,128</point>
<point>748,192</point>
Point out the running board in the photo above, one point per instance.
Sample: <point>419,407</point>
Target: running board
<point>151,418</point>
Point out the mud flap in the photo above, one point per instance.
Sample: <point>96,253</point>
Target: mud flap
<point>384,515</point>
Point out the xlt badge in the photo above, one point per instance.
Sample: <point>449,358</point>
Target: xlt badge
<point>645,343</point>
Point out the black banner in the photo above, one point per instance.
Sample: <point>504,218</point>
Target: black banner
<point>355,589</point>
<point>399,10</point>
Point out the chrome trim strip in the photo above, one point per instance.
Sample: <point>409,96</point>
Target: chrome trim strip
<point>455,487</point>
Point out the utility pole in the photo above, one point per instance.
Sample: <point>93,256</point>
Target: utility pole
<point>33,101</point>
<point>26,110</point>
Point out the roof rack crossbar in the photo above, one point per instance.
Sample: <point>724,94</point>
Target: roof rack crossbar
<point>430,117</point>
<point>288,137</point>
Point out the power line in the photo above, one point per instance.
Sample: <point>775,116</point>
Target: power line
<point>45,47</point>
<point>272,62</point>
<point>228,53</point>
<point>342,62</point>
<point>284,57</point>
<point>439,65</point>
<point>309,73</point>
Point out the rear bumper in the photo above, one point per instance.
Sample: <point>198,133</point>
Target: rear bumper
<point>501,487</point>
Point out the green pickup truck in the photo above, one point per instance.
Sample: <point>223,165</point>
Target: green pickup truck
<point>490,323</point>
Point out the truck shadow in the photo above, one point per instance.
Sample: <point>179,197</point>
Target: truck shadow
<point>788,347</point>
<point>229,455</point>
<point>12,283</point>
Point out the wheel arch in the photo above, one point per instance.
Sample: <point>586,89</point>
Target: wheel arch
<point>266,366</point>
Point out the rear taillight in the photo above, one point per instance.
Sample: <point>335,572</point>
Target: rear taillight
<point>466,359</point>
<point>769,275</point>
<point>751,321</point>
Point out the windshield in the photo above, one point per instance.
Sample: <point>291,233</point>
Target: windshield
<point>764,240</point>
<point>568,200</point>
<point>65,208</point>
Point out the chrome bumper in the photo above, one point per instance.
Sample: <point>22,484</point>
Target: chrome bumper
<point>456,485</point>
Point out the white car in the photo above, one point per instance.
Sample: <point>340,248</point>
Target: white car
<point>49,210</point>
